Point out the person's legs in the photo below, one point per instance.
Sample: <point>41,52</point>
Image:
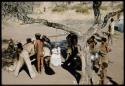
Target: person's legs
<point>105,75</point>
<point>74,73</point>
<point>41,61</point>
<point>101,81</point>
<point>19,65</point>
<point>29,65</point>
<point>38,63</point>
<point>111,39</point>
<point>108,38</point>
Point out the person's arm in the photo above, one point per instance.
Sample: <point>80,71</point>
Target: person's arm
<point>68,53</point>
<point>35,46</point>
<point>32,52</point>
<point>107,48</point>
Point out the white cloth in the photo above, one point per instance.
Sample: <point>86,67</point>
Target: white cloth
<point>24,58</point>
<point>46,51</point>
<point>29,48</point>
<point>94,57</point>
<point>56,57</point>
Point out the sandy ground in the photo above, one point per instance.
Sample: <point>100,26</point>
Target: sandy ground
<point>77,21</point>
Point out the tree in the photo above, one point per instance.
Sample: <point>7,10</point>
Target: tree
<point>16,9</point>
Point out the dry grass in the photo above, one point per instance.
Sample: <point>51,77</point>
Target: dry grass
<point>119,6</point>
<point>80,8</point>
<point>104,7</point>
<point>60,8</point>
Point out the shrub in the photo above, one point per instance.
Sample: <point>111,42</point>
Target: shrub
<point>80,8</point>
<point>60,8</point>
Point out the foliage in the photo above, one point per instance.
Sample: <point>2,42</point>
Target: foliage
<point>16,9</point>
<point>80,8</point>
<point>60,8</point>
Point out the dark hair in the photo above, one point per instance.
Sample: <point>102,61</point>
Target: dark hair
<point>72,39</point>
<point>104,39</point>
<point>45,39</point>
<point>93,37</point>
<point>20,46</point>
<point>28,40</point>
<point>112,19</point>
<point>37,36</point>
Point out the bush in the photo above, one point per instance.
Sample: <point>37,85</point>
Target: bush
<point>80,8</point>
<point>60,8</point>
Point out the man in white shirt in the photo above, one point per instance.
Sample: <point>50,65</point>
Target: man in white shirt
<point>24,57</point>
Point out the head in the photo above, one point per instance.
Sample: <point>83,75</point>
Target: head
<point>104,65</point>
<point>112,19</point>
<point>28,40</point>
<point>68,38</point>
<point>37,35</point>
<point>104,39</point>
<point>72,39</point>
<point>75,39</point>
<point>11,39</point>
<point>44,38</point>
<point>19,47</point>
<point>92,37</point>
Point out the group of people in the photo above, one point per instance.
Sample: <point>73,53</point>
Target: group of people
<point>32,47</point>
<point>37,48</point>
<point>99,57</point>
<point>72,63</point>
